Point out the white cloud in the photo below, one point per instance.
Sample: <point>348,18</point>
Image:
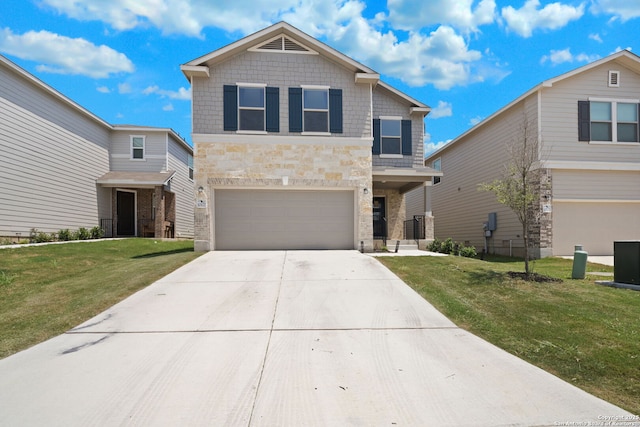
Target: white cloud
<point>622,9</point>
<point>556,57</point>
<point>103,89</point>
<point>475,120</point>
<point>64,55</point>
<point>430,146</point>
<point>529,17</point>
<point>414,14</point>
<point>443,109</point>
<point>124,88</point>
<point>595,37</point>
<point>168,107</point>
<point>181,94</point>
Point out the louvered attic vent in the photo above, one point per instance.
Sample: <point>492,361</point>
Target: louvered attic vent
<point>614,78</point>
<point>282,44</point>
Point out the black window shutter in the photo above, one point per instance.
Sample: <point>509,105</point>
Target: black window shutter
<point>272,105</point>
<point>376,137</point>
<point>638,127</point>
<point>230,107</point>
<point>584,121</point>
<point>335,110</point>
<point>406,138</point>
<point>295,109</point>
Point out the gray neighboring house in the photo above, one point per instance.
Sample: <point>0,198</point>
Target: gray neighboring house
<point>588,123</point>
<point>62,167</point>
<point>300,147</point>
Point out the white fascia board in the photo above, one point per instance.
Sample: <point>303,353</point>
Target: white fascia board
<point>367,78</point>
<point>238,138</point>
<point>598,166</point>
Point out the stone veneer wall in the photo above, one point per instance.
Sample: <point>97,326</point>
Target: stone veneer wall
<point>262,162</point>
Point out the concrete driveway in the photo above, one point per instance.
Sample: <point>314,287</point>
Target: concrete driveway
<point>297,338</point>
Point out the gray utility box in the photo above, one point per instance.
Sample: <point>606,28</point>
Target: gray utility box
<point>626,262</point>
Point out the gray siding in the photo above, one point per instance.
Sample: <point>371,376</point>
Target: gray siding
<point>458,206</point>
<point>560,115</point>
<point>280,70</point>
<point>183,188</point>
<point>48,173</point>
<point>414,202</point>
<point>387,104</point>
<point>155,151</point>
<point>596,185</point>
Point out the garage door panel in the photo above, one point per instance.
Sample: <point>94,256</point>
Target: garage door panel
<point>595,226</point>
<point>276,219</point>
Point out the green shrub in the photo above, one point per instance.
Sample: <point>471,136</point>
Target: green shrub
<point>65,235</point>
<point>83,234</point>
<point>468,251</point>
<point>447,246</point>
<point>96,232</point>
<point>434,246</point>
<point>36,236</point>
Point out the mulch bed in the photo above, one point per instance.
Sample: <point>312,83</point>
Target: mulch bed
<point>533,277</point>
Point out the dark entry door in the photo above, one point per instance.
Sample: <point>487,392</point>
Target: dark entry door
<point>379,218</point>
<point>126,213</point>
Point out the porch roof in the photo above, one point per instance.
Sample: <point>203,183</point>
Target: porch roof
<point>402,179</point>
<point>135,179</point>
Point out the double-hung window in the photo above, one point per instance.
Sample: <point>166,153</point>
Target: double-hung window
<point>251,107</point>
<point>603,120</point>
<point>251,111</point>
<point>315,104</point>
<point>137,147</point>
<point>190,166</point>
<point>437,165</point>
<point>390,136</point>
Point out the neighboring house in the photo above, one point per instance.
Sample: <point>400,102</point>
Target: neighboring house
<point>299,147</point>
<point>587,121</point>
<point>62,167</point>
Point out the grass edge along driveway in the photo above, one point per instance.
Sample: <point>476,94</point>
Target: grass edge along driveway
<point>47,290</point>
<point>584,333</point>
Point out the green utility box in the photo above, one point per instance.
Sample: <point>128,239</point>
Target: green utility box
<point>626,262</point>
<point>579,263</point>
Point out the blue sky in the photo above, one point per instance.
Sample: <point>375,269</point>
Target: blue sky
<point>120,59</point>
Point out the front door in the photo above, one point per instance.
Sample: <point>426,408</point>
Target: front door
<point>379,218</point>
<point>126,208</point>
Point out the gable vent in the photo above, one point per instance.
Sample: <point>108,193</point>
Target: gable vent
<point>614,78</point>
<point>282,44</point>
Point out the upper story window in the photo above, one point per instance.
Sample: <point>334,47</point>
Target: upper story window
<point>315,110</point>
<point>390,134</point>
<point>251,111</point>
<point>251,108</point>
<point>392,137</point>
<point>603,120</point>
<point>437,165</point>
<point>190,165</point>
<point>137,147</point>
<point>315,117</point>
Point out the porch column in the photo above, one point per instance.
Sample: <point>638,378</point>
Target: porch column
<point>429,232</point>
<point>159,221</point>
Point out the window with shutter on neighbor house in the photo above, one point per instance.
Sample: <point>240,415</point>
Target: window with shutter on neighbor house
<point>190,165</point>
<point>437,165</point>
<point>137,147</point>
<point>601,120</point>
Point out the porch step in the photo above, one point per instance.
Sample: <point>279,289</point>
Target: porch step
<point>405,245</point>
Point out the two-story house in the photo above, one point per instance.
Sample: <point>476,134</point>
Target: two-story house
<point>63,167</point>
<point>298,146</point>
<point>587,124</point>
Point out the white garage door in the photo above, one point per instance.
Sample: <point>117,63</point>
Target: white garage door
<point>290,219</point>
<point>595,226</point>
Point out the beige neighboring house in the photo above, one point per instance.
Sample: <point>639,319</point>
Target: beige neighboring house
<point>587,121</point>
<point>62,167</point>
<point>300,147</point>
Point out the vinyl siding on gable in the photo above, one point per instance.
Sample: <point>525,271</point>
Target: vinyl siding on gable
<point>560,115</point>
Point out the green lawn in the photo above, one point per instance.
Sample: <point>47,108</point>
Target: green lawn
<point>586,334</point>
<point>47,290</point>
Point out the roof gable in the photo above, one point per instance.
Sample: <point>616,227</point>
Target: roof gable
<point>623,57</point>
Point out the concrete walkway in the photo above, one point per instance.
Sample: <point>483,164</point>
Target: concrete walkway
<point>298,338</point>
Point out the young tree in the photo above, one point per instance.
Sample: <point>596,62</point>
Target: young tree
<point>519,188</point>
